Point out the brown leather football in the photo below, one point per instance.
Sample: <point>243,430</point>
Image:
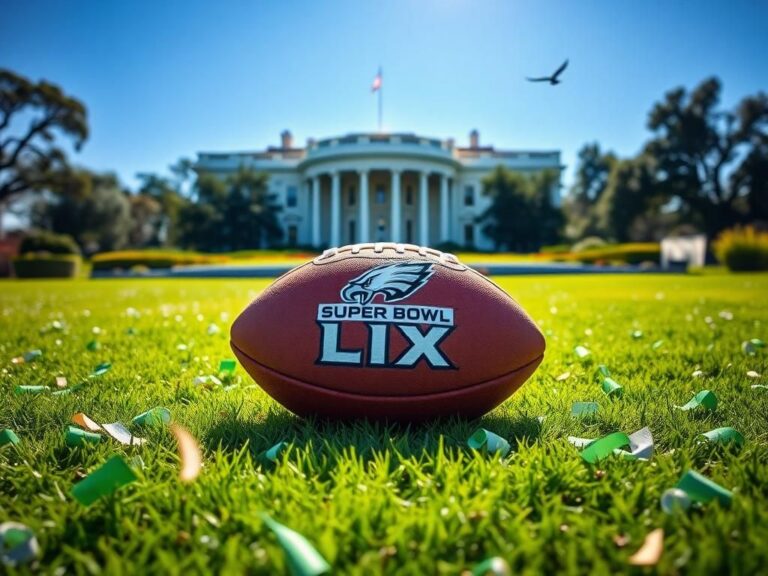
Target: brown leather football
<point>386,331</point>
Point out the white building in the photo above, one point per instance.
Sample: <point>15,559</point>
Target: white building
<point>381,187</point>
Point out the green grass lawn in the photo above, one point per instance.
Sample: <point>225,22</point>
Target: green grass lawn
<point>377,499</point>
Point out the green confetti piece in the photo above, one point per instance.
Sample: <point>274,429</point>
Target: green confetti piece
<point>701,489</point>
<point>274,453</point>
<point>303,559</point>
<point>637,334</point>
<point>483,439</point>
<point>153,417</point>
<point>113,474</point>
<point>69,390</point>
<point>759,387</point>
<point>604,447</point>
<point>603,371</point>
<point>93,345</point>
<point>8,436</point>
<point>582,353</point>
<point>32,355</point>
<point>18,544</point>
<point>21,389</point>
<point>131,331</point>
<point>101,369</point>
<point>658,344</point>
<point>227,366</point>
<point>706,399</point>
<point>724,435</point>
<point>748,348</point>
<point>612,388</point>
<point>580,409</point>
<point>757,343</point>
<point>77,437</point>
<point>495,566</point>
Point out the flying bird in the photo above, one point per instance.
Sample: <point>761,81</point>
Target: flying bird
<point>551,79</point>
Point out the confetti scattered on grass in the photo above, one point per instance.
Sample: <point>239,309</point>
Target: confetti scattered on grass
<point>611,388</point>
<point>650,552</point>
<point>582,353</point>
<point>486,440</point>
<point>8,436</point>
<point>564,376</point>
<point>103,481</point>
<point>85,422</point>
<point>101,369</point>
<point>119,432</point>
<point>227,366</point>
<point>18,544</point>
<point>640,444</point>
<point>22,389</point>
<point>189,452</point>
<point>303,559</point>
<point>701,489</point>
<point>725,435</point>
<point>658,344</point>
<point>79,437</point>
<point>495,566</point>
<point>753,374</point>
<point>272,454</point>
<point>603,371</point>
<point>153,417</point>
<point>581,409</point>
<point>706,399</point>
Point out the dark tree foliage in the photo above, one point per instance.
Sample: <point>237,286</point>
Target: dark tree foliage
<point>521,216</point>
<point>592,171</point>
<point>709,160</point>
<point>164,225</point>
<point>31,158</point>
<point>629,194</point>
<point>234,214</point>
<point>99,221</point>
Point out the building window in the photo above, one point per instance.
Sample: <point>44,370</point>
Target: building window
<point>409,195</point>
<point>469,195</point>
<point>381,196</point>
<point>381,227</point>
<point>293,235</point>
<point>469,235</point>
<point>351,196</point>
<point>409,231</point>
<point>291,197</point>
<point>352,232</point>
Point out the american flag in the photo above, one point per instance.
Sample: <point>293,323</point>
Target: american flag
<point>376,82</point>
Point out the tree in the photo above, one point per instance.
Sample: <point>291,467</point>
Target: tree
<point>594,167</point>
<point>170,201</point>
<point>146,220</point>
<point>99,221</point>
<point>630,194</point>
<point>696,145</point>
<point>31,159</point>
<point>521,216</point>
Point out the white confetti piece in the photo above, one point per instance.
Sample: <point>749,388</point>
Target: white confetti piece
<point>650,552</point>
<point>119,432</point>
<point>753,374</point>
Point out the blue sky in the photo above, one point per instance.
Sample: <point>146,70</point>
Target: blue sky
<point>167,79</point>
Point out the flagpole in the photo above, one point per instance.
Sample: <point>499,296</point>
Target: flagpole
<point>380,97</point>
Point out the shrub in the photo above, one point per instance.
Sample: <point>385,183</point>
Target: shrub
<point>588,243</point>
<point>742,249</point>
<point>43,241</point>
<point>633,253</point>
<point>556,249</point>
<point>152,259</point>
<point>46,266</point>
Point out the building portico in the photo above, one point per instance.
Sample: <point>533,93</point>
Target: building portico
<point>380,187</point>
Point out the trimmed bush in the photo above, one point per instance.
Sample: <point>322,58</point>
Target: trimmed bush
<point>46,266</point>
<point>742,249</point>
<point>634,253</point>
<point>152,259</point>
<point>43,241</point>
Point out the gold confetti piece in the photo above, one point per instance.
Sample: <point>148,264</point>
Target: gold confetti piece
<point>753,374</point>
<point>650,552</point>
<point>563,376</point>
<point>84,422</point>
<point>189,451</point>
<point>61,382</point>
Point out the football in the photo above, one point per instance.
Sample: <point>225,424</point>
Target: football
<point>386,331</point>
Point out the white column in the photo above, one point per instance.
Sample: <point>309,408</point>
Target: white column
<point>444,221</point>
<point>424,210</point>
<point>364,214</point>
<point>335,208</point>
<point>315,186</point>
<point>395,215</point>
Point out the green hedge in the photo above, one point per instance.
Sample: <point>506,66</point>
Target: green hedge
<point>43,241</point>
<point>65,266</point>
<point>127,259</point>
<point>743,249</point>
<point>633,253</point>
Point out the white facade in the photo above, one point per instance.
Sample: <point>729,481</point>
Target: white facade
<point>380,187</point>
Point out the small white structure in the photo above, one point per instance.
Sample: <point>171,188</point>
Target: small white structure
<point>381,187</point>
<point>691,250</point>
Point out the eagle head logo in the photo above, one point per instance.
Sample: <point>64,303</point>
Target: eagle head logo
<point>393,281</point>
